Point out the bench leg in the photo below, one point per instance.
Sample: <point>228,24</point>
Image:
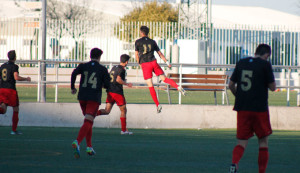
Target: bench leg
<point>215,94</point>
<point>226,95</point>
<point>169,97</point>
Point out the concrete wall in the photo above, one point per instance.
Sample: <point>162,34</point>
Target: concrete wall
<point>145,116</point>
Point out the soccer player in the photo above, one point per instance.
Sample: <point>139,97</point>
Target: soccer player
<point>115,92</point>
<point>144,53</point>
<point>93,77</point>
<point>8,93</point>
<point>253,76</point>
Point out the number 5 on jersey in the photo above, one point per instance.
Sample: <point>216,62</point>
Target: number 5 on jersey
<point>92,80</point>
<point>246,78</point>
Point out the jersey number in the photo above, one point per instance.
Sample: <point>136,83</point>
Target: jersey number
<point>112,76</point>
<point>4,74</point>
<point>92,80</point>
<point>145,48</point>
<point>246,78</point>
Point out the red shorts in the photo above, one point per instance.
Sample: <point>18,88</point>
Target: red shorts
<point>9,97</point>
<point>115,98</point>
<point>149,67</point>
<point>249,122</point>
<point>89,107</point>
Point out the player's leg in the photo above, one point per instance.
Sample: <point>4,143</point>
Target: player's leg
<point>263,130</point>
<point>3,108</point>
<point>153,94</point>
<point>15,121</point>
<point>263,155</point>
<point>107,109</point>
<point>172,83</point>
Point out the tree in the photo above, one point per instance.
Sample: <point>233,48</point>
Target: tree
<point>70,17</point>
<point>152,11</point>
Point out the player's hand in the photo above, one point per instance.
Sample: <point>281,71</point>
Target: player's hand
<point>74,91</point>
<point>170,66</point>
<point>28,79</point>
<point>129,85</point>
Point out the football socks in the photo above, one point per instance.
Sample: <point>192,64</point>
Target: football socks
<point>123,124</point>
<point>153,94</point>
<point>88,137</point>
<point>171,82</point>
<point>15,120</point>
<point>84,130</point>
<point>237,154</point>
<point>263,157</point>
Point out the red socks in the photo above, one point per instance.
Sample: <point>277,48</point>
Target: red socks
<point>15,120</point>
<point>153,94</point>
<point>171,82</point>
<point>237,154</point>
<point>87,125</point>
<point>123,124</point>
<point>263,157</point>
<point>88,137</point>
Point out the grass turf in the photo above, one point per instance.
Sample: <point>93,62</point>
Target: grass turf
<point>29,94</point>
<point>44,149</point>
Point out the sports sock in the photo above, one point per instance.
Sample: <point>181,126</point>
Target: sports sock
<point>1,111</point>
<point>123,124</point>
<point>88,137</point>
<point>171,82</point>
<point>153,94</point>
<point>84,130</point>
<point>237,154</point>
<point>15,120</point>
<point>263,157</point>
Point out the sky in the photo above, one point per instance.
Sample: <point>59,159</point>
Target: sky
<point>288,6</point>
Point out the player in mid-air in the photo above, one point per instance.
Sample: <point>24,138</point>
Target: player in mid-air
<point>8,93</point>
<point>93,77</point>
<point>144,53</point>
<point>253,76</point>
<point>115,93</point>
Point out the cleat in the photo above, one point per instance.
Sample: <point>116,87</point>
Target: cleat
<point>90,151</point>
<point>233,168</point>
<point>76,149</point>
<point>182,91</point>
<point>159,107</point>
<point>16,133</point>
<point>126,133</point>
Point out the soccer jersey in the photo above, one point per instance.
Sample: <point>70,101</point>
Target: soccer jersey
<point>93,77</point>
<point>7,71</point>
<point>252,76</point>
<point>114,86</point>
<point>146,47</point>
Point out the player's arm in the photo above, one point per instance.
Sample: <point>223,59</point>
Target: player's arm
<point>272,86</point>
<point>137,57</point>
<point>120,81</point>
<point>75,72</point>
<point>106,79</point>
<point>19,78</point>
<point>232,87</point>
<point>162,56</point>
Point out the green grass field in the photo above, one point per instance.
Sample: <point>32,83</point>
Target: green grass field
<point>44,149</point>
<point>29,94</point>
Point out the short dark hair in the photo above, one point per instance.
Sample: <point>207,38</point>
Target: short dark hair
<point>11,55</point>
<point>96,53</point>
<point>124,58</point>
<point>263,49</point>
<point>145,30</point>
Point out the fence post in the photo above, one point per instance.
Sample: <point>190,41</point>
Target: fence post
<point>56,84</point>
<point>180,83</point>
<point>298,93</point>
<point>39,81</point>
<point>288,89</point>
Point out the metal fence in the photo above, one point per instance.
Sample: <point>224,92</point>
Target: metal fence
<point>72,41</point>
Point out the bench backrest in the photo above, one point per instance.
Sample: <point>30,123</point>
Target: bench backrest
<point>208,82</point>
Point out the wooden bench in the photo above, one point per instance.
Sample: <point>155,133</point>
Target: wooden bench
<point>200,82</point>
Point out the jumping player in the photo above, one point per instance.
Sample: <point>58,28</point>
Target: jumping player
<point>93,77</point>
<point>253,76</point>
<point>144,53</point>
<point>115,92</point>
<point>8,93</point>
